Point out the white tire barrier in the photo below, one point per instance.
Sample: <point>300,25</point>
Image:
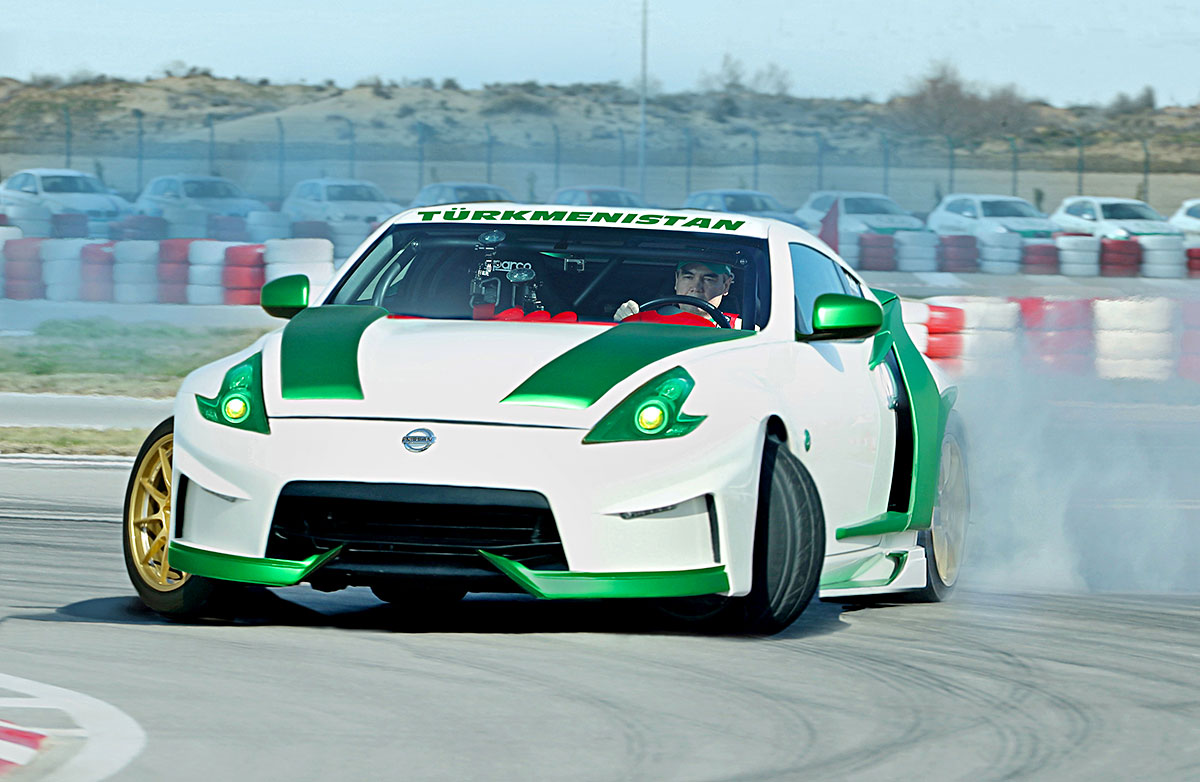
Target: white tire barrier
<point>205,274</point>
<point>298,251</point>
<point>32,220</point>
<point>205,294</point>
<point>1156,314</point>
<point>134,293</point>
<point>136,251</point>
<point>916,251</point>
<point>209,253</point>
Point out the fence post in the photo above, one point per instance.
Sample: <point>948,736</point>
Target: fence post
<point>820,161</point>
<point>887,161</point>
<point>491,141</point>
<point>1012,144</point>
<point>67,129</point>
<point>621,162</point>
<point>420,155</point>
<point>1145,170</point>
<point>282,155</point>
<point>212,145</point>
<point>557,150</point>
<point>687,178</point>
<point>138,114</point>
<point>950,144</point>
<point>1079,165</point>
<point>754,136</point>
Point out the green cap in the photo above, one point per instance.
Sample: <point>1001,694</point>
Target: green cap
<point>716,268</point>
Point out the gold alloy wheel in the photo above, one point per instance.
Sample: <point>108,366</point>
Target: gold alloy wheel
<point>949,529</point>
<point>148,521</point>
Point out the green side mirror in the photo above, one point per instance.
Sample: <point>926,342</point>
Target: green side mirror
<point>838,316</point>
<point>284,297</point>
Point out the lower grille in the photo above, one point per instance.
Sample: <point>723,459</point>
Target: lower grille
<point>398,530</point>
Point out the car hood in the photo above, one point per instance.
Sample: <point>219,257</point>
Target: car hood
<point>86,202</point>
<point>376,211</point>
<point>350,361</point>
<point>1022,225</point>
<point>886,223</point>
<point>1141,226</point>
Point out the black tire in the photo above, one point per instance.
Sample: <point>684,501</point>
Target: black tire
<point>192,594</point>
<point>789,551</point>
<point>954,497</point>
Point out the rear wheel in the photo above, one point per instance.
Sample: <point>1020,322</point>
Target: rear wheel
<point>789,550</point>
<point>945,542</point>
<point>146,530</point>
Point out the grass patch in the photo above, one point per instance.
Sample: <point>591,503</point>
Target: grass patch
<point>103,356</point>
<point>61,440</point>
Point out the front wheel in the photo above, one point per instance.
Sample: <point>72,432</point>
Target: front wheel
<point>945,541</point>
<point>146,530</point>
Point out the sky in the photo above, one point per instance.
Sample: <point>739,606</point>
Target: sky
<point>1063,52</point>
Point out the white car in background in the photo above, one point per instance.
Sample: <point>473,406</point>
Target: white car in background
<point>64,191</point>
<point>336,200</point>
<point>1187,217</point>
<point>213,194</point>
<point>859,212</point>
<point>977,214</point>
<point>1111,218</point>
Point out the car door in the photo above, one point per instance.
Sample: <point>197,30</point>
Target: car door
<point>841,405</point>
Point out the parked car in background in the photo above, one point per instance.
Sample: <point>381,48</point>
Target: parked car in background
<point>597,195</point>
<point>1111,218</point>
<point>1187,217</point>
<point>976,214</point>
<point>336,200</point>
<point>64,191</point>
<point>212,194</point>
<point>859,212</point>
<point>459,193</point>
<point>747,202</point>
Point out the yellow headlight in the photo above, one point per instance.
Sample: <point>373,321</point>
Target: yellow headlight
<point>651,417</point>
<point>236,408</point>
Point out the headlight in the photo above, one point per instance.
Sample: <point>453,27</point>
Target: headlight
<point>653,412</point>
<point>239,403</point>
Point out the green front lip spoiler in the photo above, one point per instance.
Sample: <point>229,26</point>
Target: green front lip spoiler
<point>246,570</point>
<point>566,583</point>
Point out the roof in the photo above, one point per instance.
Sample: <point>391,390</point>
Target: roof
<point>464,183</point>
<point>989,196</point>
<point>1105,199</point>
<point>727,190</point>
<point>851,193</point>
<point>53,172</point>
<point>329,180</point>
<point>607,188</point>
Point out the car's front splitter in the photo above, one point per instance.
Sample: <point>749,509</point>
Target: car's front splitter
<point>246,570</point>
<point>565,584</point>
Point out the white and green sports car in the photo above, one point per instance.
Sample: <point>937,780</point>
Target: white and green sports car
<point>459,412</point>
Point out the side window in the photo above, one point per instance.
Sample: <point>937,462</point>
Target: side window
<point>812,275</point>
<point>823,203</point>
<point>1089,212</point>
<point>170,187</point>
<point>849,283</point>
<point>27,183</point>
<point>1081,209</point>
<point>1194,211</point>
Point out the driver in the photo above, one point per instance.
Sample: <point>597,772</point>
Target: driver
<point>699,279</point>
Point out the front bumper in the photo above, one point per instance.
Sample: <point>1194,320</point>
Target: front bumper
<point>701,491</point>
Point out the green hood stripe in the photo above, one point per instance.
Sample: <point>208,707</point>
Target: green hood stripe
<point>318,355</point>
<point>583,374</point>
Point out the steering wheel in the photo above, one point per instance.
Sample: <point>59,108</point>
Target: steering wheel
<point>714,313</point>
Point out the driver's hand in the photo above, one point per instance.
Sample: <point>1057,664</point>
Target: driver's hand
<point>625,310</point>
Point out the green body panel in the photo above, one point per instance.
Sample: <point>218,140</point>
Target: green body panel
<point>246,570</point>
<point>848,576</point>
<point>245,381</point>
<point>286,296</point>
<point>577,378</point>
<point>318,355</point>
<point>884,523</point>
<point>929,414</point>
<point>1034,234</point>
<point>565,583</point>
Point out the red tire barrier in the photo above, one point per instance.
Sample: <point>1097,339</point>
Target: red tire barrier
<point>945,320</point>
<point>173,273</point>
<point>91,271</point>
<point>877,264</point>
<point>960,266</point>
<point>242,295</point>
<point>24,289</point>
<point>952,253</point>
<point>96,290</point>
<point>945,346</point>
<point>244,255</point>
<point>172,293</point>
<point>23,271</point>
<point>23,249</point>
<point>1040,259</point>
<point>959,240</point>
<point>1190,343</point>
<point>97,253</point>
<point>174,250</point>
<point>1109,270</point>
<point>1038,313</point>
<point>312,229</point>
<point>1191,314</point>
<point>69,226</point>
<point>876,240</point>
<point>3,219</point>
<point>243,277</point>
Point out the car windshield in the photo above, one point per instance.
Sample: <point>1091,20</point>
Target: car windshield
<point>751,202</point>
<point>472,193</point>
<point>211,188</point>
<point>614,198</point>
<point>1128,211</point>
<point>859,205</point>
<point>353,193</point>
<point>1194,211</point>
<point>71,184</point>
<point>478,272</point>
<point>1008,208</point>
